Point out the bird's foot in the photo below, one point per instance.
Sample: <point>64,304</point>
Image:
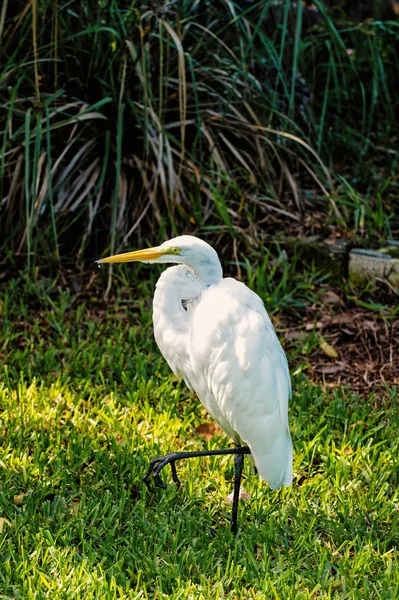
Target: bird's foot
<point>243,495</point>
<point>156,466</point>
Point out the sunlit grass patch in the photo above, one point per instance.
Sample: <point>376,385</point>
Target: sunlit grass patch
<point>86,401</point>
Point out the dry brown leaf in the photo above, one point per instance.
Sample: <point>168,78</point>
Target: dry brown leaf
<point>328,349</point>
<point>344,319</point>
<point>208,430</point>
<point>19,499</point>
<point>330,369</point>
<point>314,325</point>
<point>293,334</point>
<point>4,522</point>
<point>330,297</point>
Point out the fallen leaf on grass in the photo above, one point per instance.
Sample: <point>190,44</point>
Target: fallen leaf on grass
<point>293,334</point>
<point>314,325</point>
<point>4,522</point>
<point>208,430</point>
<point>347,318</point>
<point>328,349</point>
<point>330,297</point>
<point>243,495</point>
<point>19,499</point>
<point>330,369</point>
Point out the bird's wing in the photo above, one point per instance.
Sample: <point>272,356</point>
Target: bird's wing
<point>240,372</point>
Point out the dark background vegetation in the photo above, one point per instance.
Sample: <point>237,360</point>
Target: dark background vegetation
<point>125,122</point>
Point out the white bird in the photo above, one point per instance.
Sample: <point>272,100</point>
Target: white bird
<point>216,334</point>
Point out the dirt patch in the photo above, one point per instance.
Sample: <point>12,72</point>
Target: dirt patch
<point>352,346</point>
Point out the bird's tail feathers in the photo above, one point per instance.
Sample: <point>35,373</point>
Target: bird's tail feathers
<point>275,466</point>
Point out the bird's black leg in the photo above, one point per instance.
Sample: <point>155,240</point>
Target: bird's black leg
<point>238,467</point>
<point>157,464</point>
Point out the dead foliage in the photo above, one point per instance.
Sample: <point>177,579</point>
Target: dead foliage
<point>365,346</point>
<point>208,430</point>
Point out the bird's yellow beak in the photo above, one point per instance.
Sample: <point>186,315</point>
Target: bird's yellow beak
<point>138,255</point>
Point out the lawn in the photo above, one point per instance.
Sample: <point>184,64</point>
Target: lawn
<point>86,400</point>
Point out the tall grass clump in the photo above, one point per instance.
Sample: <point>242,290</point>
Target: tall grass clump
<point>122,119</point>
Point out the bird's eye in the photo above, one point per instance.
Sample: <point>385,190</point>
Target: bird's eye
<point>172,250</point>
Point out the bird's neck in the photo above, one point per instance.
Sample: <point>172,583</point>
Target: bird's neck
<point>174,297</point>
<point>176,284</point>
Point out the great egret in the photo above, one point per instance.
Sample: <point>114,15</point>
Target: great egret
<point>216,334</point>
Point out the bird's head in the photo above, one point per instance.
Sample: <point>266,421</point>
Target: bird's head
<point>188,250</point>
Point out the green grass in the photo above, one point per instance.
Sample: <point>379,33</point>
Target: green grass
<point>87,400</point>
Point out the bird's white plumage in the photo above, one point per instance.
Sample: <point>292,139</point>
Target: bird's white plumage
<point>216,334</point>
